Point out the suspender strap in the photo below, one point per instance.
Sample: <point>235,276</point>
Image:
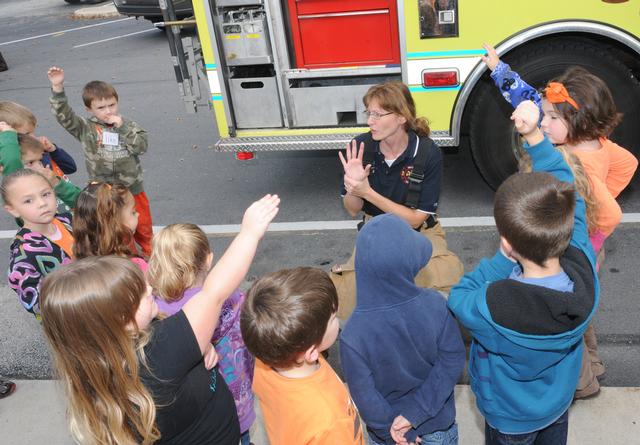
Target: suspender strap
<point>369,153</point>
<point>416,177</point>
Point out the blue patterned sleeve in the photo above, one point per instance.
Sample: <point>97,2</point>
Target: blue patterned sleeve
<point>512,87</point>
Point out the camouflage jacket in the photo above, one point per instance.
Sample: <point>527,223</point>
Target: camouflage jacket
<point>105,162</point>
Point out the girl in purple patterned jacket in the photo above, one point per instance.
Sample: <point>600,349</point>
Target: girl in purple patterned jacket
<point>179,263</point>
<point>45,240</point>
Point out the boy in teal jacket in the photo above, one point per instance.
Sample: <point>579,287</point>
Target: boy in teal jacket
<point>528,306</point>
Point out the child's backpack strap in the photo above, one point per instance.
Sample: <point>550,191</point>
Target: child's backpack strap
<point>417,176</point>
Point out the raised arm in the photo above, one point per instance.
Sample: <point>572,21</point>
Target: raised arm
<point>64,160</point>
<point>511,86</point>
<point>75,125</point>
<point>203,309</point>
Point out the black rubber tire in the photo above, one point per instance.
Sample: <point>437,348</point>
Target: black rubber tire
<point>493,139</point>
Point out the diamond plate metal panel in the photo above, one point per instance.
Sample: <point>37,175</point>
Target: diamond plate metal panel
<point>304,142</point>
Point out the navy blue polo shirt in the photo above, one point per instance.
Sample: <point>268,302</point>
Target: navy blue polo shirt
<point>392,182</point>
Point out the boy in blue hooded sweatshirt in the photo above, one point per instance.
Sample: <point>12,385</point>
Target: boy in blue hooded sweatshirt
<point>528,306</point>
<point>401,350</point>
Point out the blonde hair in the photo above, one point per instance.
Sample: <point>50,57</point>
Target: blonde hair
<point>88,315</point>
<point>581,180</point>
<point>16,115</point>
<point>396,97</point>
<point>179,256</point>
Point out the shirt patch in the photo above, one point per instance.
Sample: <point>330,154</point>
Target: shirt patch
<point>405,173</point>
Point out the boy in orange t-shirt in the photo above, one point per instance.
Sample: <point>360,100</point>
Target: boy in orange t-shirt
<point>288,319</point>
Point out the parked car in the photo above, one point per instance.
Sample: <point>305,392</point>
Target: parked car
<point>150,9</point>
<point>84,2</point>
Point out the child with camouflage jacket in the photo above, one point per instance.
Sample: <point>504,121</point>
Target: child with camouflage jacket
<point>112,144</point>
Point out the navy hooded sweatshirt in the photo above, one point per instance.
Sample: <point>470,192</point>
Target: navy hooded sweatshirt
<point>401,350</point>
<point>526,351</point>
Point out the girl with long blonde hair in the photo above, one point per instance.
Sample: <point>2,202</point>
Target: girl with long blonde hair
<point>131,377</point>
<point>179,263</point>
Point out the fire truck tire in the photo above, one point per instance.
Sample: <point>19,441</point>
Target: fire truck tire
<point>493,138</point>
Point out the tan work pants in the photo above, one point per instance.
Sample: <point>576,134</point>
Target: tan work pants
<point>443,270</point>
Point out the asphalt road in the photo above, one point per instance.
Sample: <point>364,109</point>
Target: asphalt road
<point>186,180</point>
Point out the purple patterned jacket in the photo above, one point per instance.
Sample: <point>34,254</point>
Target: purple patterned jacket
<point>33,256</point>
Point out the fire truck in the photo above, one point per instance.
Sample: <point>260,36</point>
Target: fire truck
<point>291,74</point>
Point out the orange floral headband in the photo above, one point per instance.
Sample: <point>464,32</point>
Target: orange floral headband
<point>556,93</point>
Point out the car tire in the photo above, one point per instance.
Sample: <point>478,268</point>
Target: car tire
<point>494,142</point>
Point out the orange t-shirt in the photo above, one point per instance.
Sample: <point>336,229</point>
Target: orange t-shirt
<point>609,169</point>
<point>65,242</point>
<point>312,410</point>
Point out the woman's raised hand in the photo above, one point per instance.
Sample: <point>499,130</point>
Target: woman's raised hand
<point>259,214</point>
<point>353,167</point>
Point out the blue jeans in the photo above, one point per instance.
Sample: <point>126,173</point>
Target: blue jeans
<point>244,438</point>
<point>446,437</point>
<point>554,434</point>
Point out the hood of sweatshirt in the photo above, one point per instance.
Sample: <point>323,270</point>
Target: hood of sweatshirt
<point>389,254</point>
<point>531,316</point>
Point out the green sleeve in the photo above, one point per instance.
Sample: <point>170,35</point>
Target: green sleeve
<point>74,124</point>
<point>67,192</point>
<point>10,157</point>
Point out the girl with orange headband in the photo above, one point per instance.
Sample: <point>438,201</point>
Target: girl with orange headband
<point>578,116</point>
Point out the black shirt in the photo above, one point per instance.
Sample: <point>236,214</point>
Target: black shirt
<point>392,182</point>
<point>194,406</point>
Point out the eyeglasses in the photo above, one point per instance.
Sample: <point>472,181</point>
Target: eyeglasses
<point>375,115</point>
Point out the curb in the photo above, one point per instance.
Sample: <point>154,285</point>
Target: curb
<point>96,12</point>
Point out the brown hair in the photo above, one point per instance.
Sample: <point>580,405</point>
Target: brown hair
<point>396,98</point>
<point>286,313</point>
<point>582,182</point>
<point>597,115</point>
<point>97,89</point>
<point>97,221</point>
<point>29,144</point>
<point>534,212</point>
<point>16,115</point>
<point>179,256</point>
<point>9,179</point>
<point>88,316</point>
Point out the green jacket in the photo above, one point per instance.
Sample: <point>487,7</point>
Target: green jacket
<point>10,160</point>
<point>112,163</point>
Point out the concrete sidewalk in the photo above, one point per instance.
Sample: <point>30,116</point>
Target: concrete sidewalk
<point>35,414</point>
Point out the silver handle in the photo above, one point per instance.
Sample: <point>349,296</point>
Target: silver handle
<point>344,14</point>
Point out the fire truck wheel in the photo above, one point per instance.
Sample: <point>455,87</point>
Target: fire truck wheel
<point>494,142</point>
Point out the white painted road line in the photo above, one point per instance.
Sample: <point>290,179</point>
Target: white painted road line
<point>349,224</point>
<point>65,31</point>
<point>114,38</point>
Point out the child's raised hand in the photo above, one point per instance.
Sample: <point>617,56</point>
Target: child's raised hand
<point>491,58</point>
<point>48,145</point>
<point>56,77</point>
<point>5,127</point>
<point>525,117</point>
<point>259,214</point>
